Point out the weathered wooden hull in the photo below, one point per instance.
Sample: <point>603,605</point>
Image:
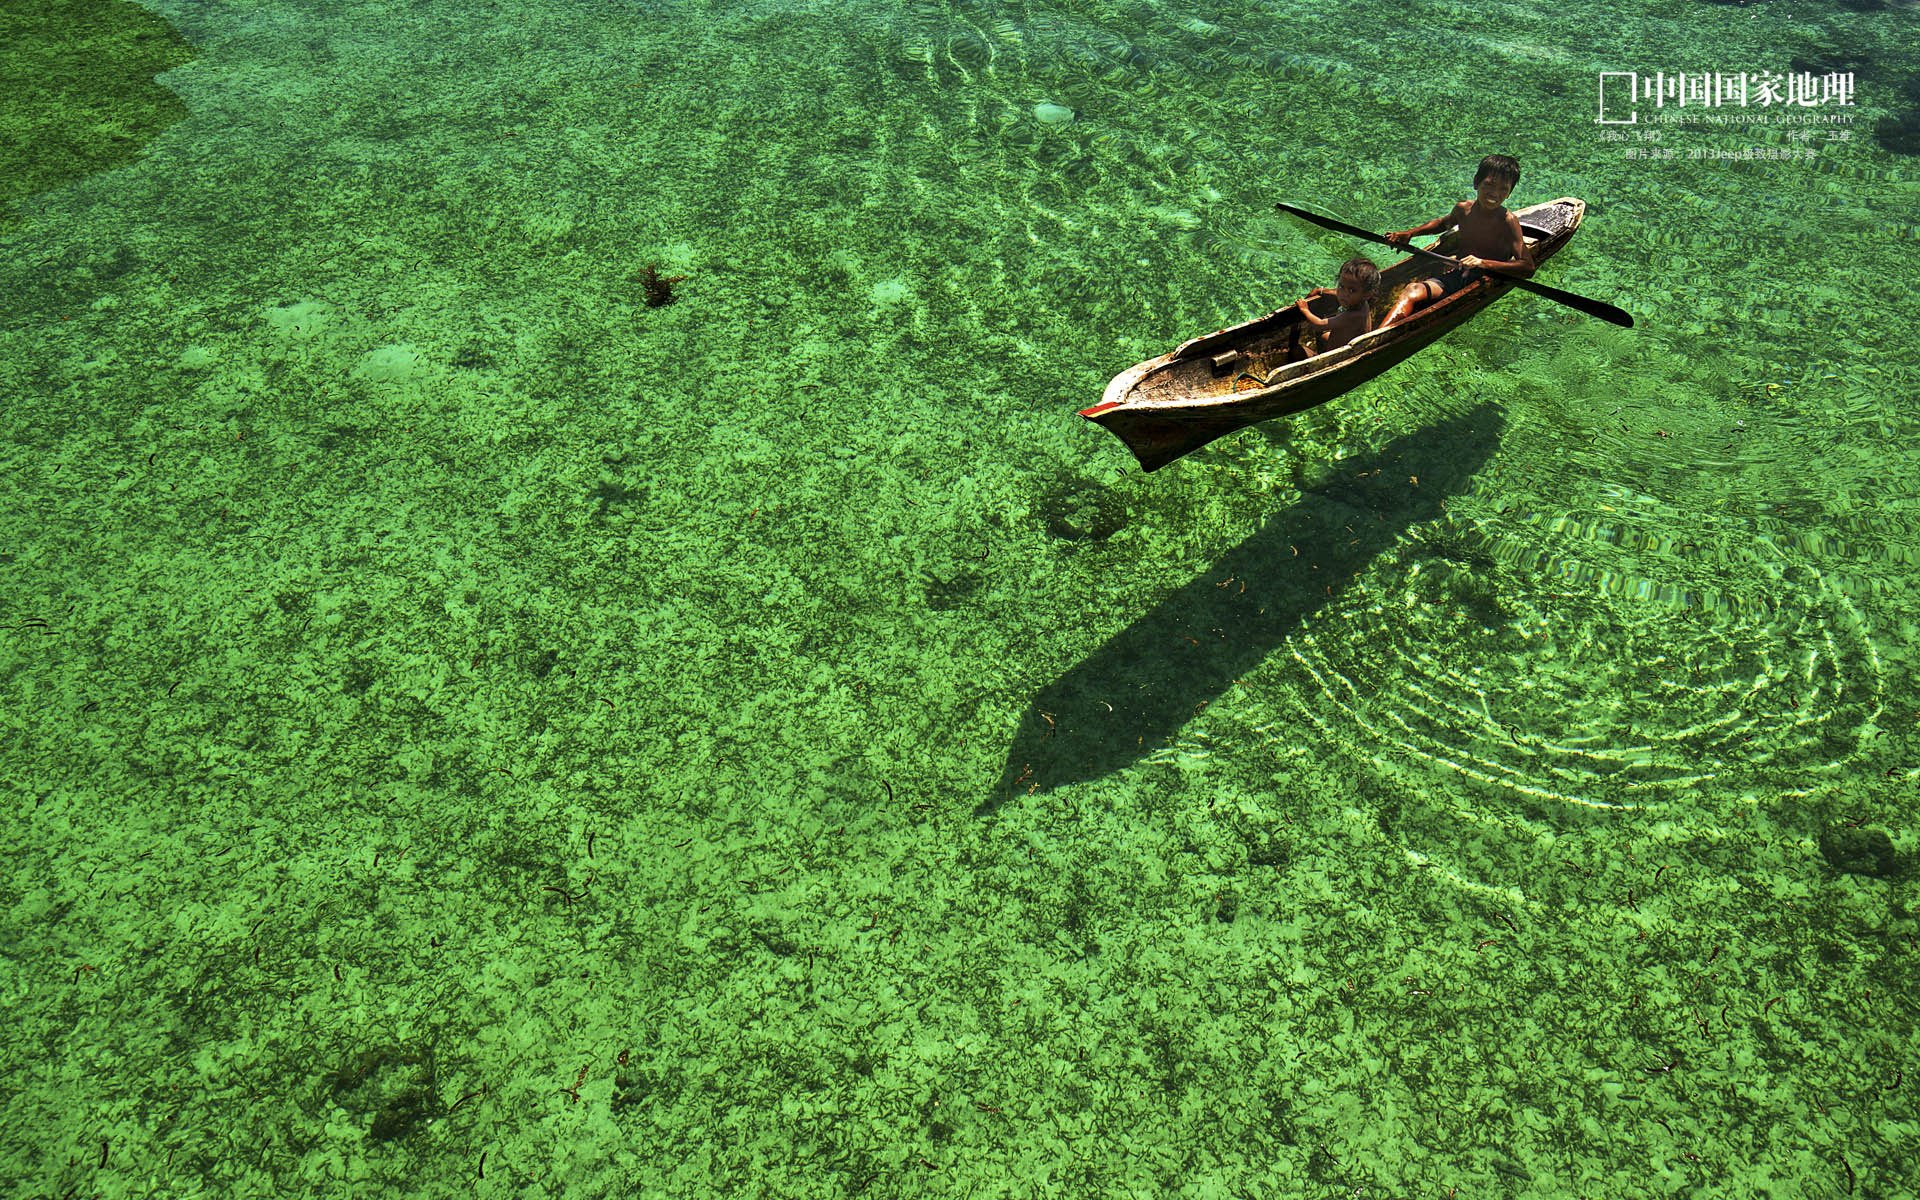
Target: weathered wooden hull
<point>1224,381</point>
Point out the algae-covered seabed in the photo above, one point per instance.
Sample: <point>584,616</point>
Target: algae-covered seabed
<point>468,732</point>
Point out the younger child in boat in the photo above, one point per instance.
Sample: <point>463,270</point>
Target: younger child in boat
<point>1489,237</point>
<point>1358,280</point>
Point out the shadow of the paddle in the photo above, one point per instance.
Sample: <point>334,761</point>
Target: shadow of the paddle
<point>1130,696</point>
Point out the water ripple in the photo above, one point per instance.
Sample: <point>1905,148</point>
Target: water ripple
<point>1596,679</point>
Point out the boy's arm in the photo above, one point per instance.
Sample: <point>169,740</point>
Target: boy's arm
<point>1302,302</point>
<point>1523,263</point>
<point>1434,226</point>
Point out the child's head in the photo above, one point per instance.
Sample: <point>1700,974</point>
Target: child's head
<point>1358,279</point>
<point>1498,166</point>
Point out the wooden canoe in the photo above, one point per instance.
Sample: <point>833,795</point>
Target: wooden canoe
<point>1224,381</point>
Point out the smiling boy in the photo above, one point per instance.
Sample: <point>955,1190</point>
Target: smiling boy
<point>1489,237</point>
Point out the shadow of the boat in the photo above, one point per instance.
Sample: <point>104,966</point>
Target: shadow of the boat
<point>1126,699</point>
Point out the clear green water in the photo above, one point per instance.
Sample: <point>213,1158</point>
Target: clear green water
<point>470,733</point>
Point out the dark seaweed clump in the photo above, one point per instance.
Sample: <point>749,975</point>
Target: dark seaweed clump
<point>945,594</point>
<point>393,1088</point>
<point>658,288</point>
<point>1900,133</point>
<point>1857,851</point>
<point>1082,511</point>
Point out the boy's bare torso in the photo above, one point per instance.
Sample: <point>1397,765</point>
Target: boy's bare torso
<point>1343,327</point>
<point>1484,234</point>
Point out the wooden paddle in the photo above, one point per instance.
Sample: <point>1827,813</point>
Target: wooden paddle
<point>1593,308</point>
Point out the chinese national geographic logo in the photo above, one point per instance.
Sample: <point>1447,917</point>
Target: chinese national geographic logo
<point>1622,93</point>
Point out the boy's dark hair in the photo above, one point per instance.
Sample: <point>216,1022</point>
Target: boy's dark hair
<point>1501,166</point>
<point>1362,272</point>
